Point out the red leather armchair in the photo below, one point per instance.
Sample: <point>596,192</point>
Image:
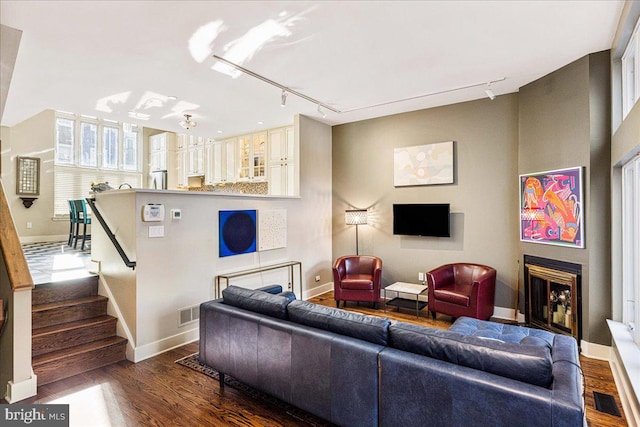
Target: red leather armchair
<point>357,278</point>
<point>462,290</point>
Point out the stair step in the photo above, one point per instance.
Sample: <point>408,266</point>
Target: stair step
<point>59,291</point>
<point>68,311</point>
<point>58,337</point>
<point>71,361</point>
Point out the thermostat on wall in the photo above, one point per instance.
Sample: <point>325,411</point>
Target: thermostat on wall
<point>176,214</point>
<point>152,213</point>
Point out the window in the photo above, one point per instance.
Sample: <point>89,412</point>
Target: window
<point>110,147</point>
<point>631,246</point>
<point>130,149</point>
<point>93,150</point>
<point>88,144</point>
<point>64,141</point>
<point>631,72</point>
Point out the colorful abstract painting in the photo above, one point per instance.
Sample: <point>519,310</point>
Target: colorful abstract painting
<point>552,208</point>
<point>423,164</point>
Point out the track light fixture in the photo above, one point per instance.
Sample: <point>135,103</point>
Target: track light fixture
<point>187,123</point>
<point>286,90</point>
<point>489,92</point>
<point>321,112</point>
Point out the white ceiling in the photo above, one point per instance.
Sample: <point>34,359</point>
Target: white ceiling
<point>105,58</point>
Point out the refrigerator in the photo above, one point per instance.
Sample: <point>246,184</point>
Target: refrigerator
<point>158,180</point>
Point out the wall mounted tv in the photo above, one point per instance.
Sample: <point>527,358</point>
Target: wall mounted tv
<point>421,219</point>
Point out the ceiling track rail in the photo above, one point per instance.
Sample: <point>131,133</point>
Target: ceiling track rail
<point>335,110</point>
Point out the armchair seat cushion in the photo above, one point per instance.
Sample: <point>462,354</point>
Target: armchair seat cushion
<point>455,294</point>
<point>357,282</point>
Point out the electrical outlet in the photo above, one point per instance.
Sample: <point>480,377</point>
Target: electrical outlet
<point>29,225</point>
<point>421,276</point>
<point>317,278</point>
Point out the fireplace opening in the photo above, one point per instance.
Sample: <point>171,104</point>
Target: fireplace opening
<point>553,297</point>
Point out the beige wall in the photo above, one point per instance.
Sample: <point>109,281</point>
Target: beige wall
<point>564,122</point>
<point>484,197</point>
<point>34,137</point>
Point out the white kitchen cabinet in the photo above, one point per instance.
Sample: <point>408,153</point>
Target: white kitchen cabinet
<point>195,147</point>
<point>183,142</point>
<point>209,162</point>
<point>252,151</point>
<point>283,162</point>
<point>162,156</point>
<point>182,158</point>
<point>196,161</point>
<point>220,161</point>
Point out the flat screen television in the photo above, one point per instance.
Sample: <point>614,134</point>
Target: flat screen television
<point>421,219</point>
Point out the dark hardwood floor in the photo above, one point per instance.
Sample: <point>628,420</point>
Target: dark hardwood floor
<point>159,392</point>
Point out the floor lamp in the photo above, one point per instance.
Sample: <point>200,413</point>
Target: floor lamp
<point>355,217</point>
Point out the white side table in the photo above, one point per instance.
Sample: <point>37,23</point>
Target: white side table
<point>406,288</point>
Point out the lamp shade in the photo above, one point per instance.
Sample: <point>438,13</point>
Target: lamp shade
<point>355,217</point>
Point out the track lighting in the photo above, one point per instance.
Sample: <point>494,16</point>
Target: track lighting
<point>321,112</point>
<point>286,90</point>
<point>187,123</point>
<point>489,92</point>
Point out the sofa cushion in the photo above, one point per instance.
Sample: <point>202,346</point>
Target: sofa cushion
<point>529,340</point>
<point>368,328</point>
<point>288,294</point>
<point>256,301</point>
<point>271,289</point>
<point>528,363</point>
<point>500,331</point>
<point>362,282</point>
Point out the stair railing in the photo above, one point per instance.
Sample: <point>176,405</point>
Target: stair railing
<point>112,237</point>
<point>14,260</point>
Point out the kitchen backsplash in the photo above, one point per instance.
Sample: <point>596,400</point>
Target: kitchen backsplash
<point>236,188</point>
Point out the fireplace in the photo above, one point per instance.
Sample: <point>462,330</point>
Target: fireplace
<point>553,299</point>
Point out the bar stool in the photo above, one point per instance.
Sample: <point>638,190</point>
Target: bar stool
<point>73,220</point>
<point>83,218</point>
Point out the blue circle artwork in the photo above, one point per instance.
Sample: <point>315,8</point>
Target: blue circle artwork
<point>237,232</point>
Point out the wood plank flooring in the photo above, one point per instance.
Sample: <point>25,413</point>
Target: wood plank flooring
<point>159,392</point>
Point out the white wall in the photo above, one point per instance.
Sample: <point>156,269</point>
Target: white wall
<point>178,270</point>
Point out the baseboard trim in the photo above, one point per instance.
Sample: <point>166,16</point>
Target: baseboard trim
<point>22,390</point>
<point>595,351</point>
<point>318,290</point>
<point>157,347</point>
<point>46,239</point>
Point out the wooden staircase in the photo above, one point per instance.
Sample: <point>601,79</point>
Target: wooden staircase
<point>72,332</point>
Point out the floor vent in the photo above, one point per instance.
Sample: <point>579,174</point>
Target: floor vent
<point>606,403</point>
<point>188,315</point>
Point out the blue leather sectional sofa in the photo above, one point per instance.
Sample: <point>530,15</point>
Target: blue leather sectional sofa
<point>357,370</point>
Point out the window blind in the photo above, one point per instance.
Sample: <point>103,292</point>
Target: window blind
<point>75,183</point>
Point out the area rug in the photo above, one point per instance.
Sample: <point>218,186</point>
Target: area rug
<point>193,362</point>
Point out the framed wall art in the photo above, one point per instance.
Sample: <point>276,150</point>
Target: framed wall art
<point>552,207</point>
<point>237,232</point>
<point>423,164</point>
